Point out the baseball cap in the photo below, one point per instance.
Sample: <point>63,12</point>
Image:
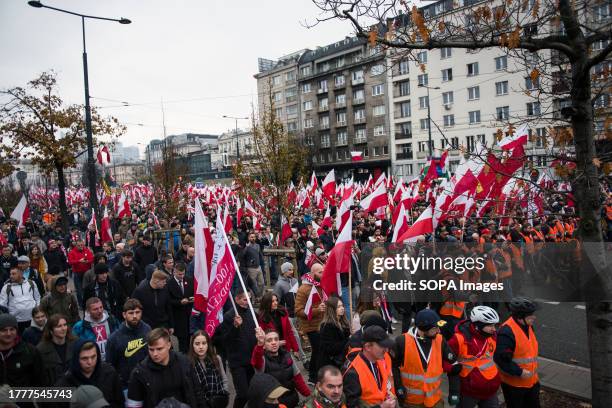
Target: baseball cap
<point>376,334</point>
<point>319,251</point>
<point>427,319</point>
<point>277,392</point>
<point>89,396</point>
<point>62,280</point>
<point>23,258</point>
<point>101,268</point>
<point>7,320</point>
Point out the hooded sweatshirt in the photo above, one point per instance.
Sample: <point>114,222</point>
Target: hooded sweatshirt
<point>61,303</point>
<point>33,334</point>
<point>126,348</point>
<point>104,376</point>
<point>96,331</point>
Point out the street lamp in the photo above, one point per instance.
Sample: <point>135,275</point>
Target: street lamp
<point>429,117</point>
<point>236,119</point>
<point>91,164</point>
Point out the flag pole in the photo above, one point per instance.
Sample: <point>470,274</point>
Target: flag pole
<point>462,229</point>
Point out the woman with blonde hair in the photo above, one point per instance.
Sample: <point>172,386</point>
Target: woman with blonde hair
<point>334,334</point>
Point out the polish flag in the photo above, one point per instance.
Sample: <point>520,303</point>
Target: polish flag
<point>285,230</point>
<point>423,225</point>
<point>94,223</point>
<point>202,259</point>
<point>249,208</point>
<point>256,224</point>
<point>369,183</point>
<point>223,271</point>
<point>518,138</point>
<point>123,206</point>
<point>399,189</point>
<point>356,156</point>
<point>103,156</point>
<point>227,220</point>
<point>378,198</point>
<point>107,235</point>
<point>327,219</point>
<point>313,183</point>
<point>239,212</point>
<point>313,298</point>
<point>343,215</point>
<point>401,224</point>
<point>339,260</point>
<point>329,185</point>
<point>291,194</point>
<point>319,230</point>
<point>21,213</point>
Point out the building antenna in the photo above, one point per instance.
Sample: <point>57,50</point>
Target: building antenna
<point>163,117</point>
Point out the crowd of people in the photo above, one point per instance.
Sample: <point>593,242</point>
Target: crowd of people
<point>117,320</point>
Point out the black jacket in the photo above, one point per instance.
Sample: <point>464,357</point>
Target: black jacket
<point>238,341</point>
<point>104,376</point>
<point>5,266</point>
<point>151,382</point>
<point>22,367</point>
<point>180,313</point>
<point>127,347</point>
<point>56,261</point>
<point>110,293</point>
<point>332,345</point>
<point>128,277</point>
<point>144,256</point>
<point>156,306</point>
<point>53,366</point>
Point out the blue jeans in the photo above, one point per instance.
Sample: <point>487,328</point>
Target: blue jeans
<point>78,286</point>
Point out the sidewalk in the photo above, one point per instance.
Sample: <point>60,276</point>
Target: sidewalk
<point>565,378</point>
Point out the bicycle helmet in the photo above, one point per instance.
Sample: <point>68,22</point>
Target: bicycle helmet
<point>522,305</point>
<point>484,314</point>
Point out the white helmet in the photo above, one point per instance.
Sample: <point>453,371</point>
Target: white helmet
<point>484,314</point>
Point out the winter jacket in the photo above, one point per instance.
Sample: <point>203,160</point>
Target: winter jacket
<point>474,385</point>
<point>301,297</point>
<point>144,256</point>
<point>60,303</point>
<point>53,366</point>
<point>282,289</point>
<point>128,277</point>
<point>5,266</point>
<point>318,400</point>
<point>151,382</point>
<point>238,341</point>
<point>104,377</point>
<point>333,343</point>
<point>87,329</point>
<point>35,276</point>
<point>22,367</point>
<point>281,367</point>
<point>127,347</point>
<point>74,259</point>
<point>56,261</point>
<point>285,331</point>
<point>32,334</point>
<point>20,298</point>
<point>110,293</point>
<point>156,306</point>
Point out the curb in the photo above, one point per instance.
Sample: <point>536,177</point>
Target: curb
<point>559,377</point>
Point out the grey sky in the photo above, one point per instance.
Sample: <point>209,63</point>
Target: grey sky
<point>175,49</point>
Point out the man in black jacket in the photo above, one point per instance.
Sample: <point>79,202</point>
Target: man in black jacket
<point>56,259</point>
<point>21,363</point>
<point>155,300</point>
<point>108,290</point>
<point>181,289</point>
<point>126,272</point>
<point>87,367</point>
<point>145,254</point>
<point>162,374</point>
<point>7,261</point>
<point>238,335</point>
<point>127,346</point>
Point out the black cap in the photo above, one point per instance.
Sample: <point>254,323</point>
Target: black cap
<point>376,334</point>
<point>427,319</point>
<point>101,268</point>
<point>62,280</point>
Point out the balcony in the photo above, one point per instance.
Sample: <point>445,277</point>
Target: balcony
<point>360,140</point>
<point>341,123</point>
<point>322,90</point>
<point>357,81</point>
<point>403,156</point>
<point>341,142</point>
<point>325,144</point>
<point>358,101</point>
<point>359,120</point>
<point>324,126</point>
<point>291,98</point>
<point>340,105</point>
<point>454,152</point>
<point>323,108</point>
<point>402,135</point>
<point>421,155</point>
<point>339,85</point>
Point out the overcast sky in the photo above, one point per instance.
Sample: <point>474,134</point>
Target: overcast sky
<point>175,50</point>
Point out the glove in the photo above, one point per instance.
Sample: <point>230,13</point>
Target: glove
<point>400,393</point>
<point>453,399</point>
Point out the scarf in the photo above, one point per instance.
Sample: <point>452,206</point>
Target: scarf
<point>310,280</point>
<point>209,378</point>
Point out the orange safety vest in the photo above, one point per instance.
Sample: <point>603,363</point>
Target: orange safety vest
<point>454,309</point>
<point>483,362</point>
<point>609,212</point>
<point>525,356</point>
<point>370,393</point>
<point>528,243</point>
<point>422,386</point>
<point>507,273</point>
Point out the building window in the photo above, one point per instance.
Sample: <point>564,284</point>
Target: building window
<point>423,79</point>
<point>404,88</point>
<point>375,151</point>
<point>385,150</point>
<point>377,69</point>
<point>339,80</point>
<point>290,76</point>
<point>308,123</point>
<point>278,112</point>
<point>305,70</point>
<point>378,90</point>
<point>447,98</point>
<point>291,126</point>
<point>446,53</point>
<point>341,139</point>
<point>447,75</point>
<point>359,114</point>
<point>379,110</point>
<point>324,122</point>
<point>503,112</point>
<point>422,146</point>
<point>530,30</point>
<point>474,117</point>
<point>405,109</point>
<point>470,143</point>
<point>323,85</point>
<point>276,80</point>
<point>473,93</point>
<point>323,103</point>
<point>358,96</point>
<point>325,140</point>
<point>379,130</point>
<point>291,109</point>
<point>341,118</point>
<point>601,12</point>
<point>472,69</point>
<point>501,88</point>
<point>405,130</point>
<point>449,120</point>
<point>360,134</point>
<point>404,151</point>
<point>424,124</point>
<point>422,57</point>
<point>277,96</point>
<point>532,85</point>
<point>409,170</point>
<point>305,88</point>
<point>404,67</point>
<point>307,105</point>
<point>454,142</point>
<point>602,101</point>
<point>501,63</point>
<point>340,100</point>
<point>357,76</point>
<point>423,101</point>
<point>533,108</point>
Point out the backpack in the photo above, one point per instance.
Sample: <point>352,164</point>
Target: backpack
<point>9,290</point>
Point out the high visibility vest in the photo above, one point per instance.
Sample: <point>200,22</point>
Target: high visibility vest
<point>517,255</point>
<point>454,309</point>
<point>609,212</point>
<point>422,386</point>
<point>525,356</point>
<point>484,362</point>
<point>528,243</point>
<point>370,393</point>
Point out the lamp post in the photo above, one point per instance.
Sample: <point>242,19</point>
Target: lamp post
<point>429,118</point>
<point>237,146</point>
<point>91,164</point>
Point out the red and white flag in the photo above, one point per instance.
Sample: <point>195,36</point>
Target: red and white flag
<point>123,207</point>
<point>239,212</point>
<point>223,270</point>
<point>249,208</point>
<point>256,224</point>
<point>319,230</point>
<point>329,185</point>
<point>518,138</point>
<point>378,198</point>
<point>339,260</point>
<point>21,213</point>
<point>286,232</point>
<point>106,233</point>
<point>227,220</point>
<point>356,156</point>
<point>313,297</point>
<point>313,183</point>
<point>423,225</point>
<point>94,223</point>
<point>103,156</point>
<point>203,258</point>
<point>327,219</point>
<point>401,224</point>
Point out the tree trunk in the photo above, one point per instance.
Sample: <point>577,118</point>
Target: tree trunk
<point>61,186</point>
<point>587,197</point>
